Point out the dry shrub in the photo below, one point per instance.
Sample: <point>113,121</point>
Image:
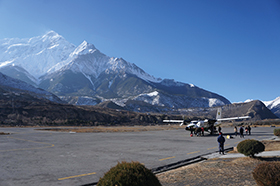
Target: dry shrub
<point>276,132</point>
<point>129,174</point>
<point>250,147</point>
<point>3,133</point>
<point>267,174</point>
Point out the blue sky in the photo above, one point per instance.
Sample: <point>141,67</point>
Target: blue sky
<point>230,47</point>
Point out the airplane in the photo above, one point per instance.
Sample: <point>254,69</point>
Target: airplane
<point>207,124</point>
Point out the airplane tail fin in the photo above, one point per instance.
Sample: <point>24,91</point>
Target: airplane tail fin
<point>219,114</point>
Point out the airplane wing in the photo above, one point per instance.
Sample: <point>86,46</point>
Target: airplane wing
<point>173,121</point>
<point>219,116</point>
<point>233,118</point>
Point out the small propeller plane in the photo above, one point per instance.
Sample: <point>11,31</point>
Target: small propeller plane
<point>207,124</point>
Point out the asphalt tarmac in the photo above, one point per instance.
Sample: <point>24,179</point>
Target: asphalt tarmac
<point>32,157</point>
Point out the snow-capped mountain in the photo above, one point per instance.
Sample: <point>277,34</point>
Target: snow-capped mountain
<point>9,84</point>
<point>84,73</point>
<point>88,60</point>
<point>168,100</point>
<point>274,106</point>
<point>36,55</point>
<point>19,73</point>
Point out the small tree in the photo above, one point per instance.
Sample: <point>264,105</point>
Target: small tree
<point>250,147</point>
<point>129,174</point>
<point>276,132</point>
<point>267,174</point>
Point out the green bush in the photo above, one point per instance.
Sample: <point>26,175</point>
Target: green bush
<point>267,174</point>
<point>250,147</point>
<point>129,174</point>
<point>276,132</point>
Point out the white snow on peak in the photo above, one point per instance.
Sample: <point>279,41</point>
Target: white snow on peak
<point>94,63</point>
<point>6,63</point>
<point>155,93</point>
<point>215,102</point>
<point>83,48</point>
<point>37,54</point>
<point>248,100</point>
<point>273,103</point>
<point>69,63</point>
<point>51,35</point>
<point>51,47</point>
<point>152,98</point>
<point>143,75</point>
<point>172,82</point>
<point>51,52</point>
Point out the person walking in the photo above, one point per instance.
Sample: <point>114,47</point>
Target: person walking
<point>235,130</point>
<point>241,131</point>
<point>219,129</point>
<point>191,129</point>
<point>198,132</point>
<point>221,140</point>
<point>202,131</point>
<point>249,129</point>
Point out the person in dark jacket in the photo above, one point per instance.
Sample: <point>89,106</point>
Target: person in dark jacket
<point>241,131</point>
<point>249,129</point>
<point>219,129</point>
<point>221,140</point>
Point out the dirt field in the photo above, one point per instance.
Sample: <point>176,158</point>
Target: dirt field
<point>230,172</point>
<point>114,129</point>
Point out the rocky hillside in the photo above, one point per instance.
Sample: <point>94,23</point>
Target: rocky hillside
<point>25,110</point>
<point>256,109</point>
<point>10,86</point>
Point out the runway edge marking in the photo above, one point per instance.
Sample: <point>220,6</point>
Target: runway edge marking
<point>166,158</point>
<point>76,176</point>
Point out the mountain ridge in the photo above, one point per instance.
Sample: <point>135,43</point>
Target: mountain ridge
<point>48,49</point>
<point>67,70</point>
<point>18,87</point>
<point>274,106</point>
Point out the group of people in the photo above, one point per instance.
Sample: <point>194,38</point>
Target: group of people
<point>221,140</point>
<point>241,131</point>
<point>196,131</point>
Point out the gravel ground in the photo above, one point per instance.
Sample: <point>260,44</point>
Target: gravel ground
<point>235,171</point>
<point>219,172</point>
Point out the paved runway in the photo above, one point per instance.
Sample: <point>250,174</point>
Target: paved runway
<point>32,157</point>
